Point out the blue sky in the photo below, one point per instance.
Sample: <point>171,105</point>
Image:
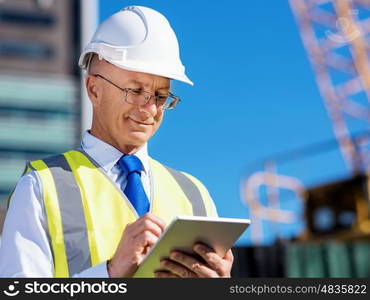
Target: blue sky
<point>255,95</point>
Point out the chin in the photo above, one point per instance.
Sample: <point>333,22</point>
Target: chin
<point>138,138</point>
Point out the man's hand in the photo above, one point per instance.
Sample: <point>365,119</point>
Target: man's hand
<point>181,265</point>
<point>137,239</point>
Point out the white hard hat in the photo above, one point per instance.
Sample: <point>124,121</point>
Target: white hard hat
<point>137,39</point>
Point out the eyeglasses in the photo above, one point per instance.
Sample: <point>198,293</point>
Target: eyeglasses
<point>140,97</point>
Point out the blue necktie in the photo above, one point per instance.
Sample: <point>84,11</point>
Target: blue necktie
<point>134,189</point>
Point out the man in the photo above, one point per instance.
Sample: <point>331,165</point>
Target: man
<point>97,210</point>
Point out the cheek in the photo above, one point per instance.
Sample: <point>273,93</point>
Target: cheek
<point>159,115</point>
<point>158,119</point>
<point>112,111</point>
<point>108,113</point>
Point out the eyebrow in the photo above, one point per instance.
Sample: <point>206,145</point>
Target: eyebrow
<point>167,87</point>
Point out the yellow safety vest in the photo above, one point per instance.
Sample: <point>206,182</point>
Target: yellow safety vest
<point>87,214</point>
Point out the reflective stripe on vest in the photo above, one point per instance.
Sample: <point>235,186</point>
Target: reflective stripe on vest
<point>87,212</point>
<point>72,214</point>
<point>191,190</point>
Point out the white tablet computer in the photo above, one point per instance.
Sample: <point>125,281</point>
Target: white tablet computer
<point>184,232</point>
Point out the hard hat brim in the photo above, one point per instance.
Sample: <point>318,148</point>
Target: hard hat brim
<point>130,66</point>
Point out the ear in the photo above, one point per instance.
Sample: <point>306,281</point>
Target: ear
<point>93,90</point>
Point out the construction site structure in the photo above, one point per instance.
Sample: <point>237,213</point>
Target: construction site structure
<point>335,34</point>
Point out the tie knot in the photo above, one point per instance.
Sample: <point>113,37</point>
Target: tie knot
<point>130,164</point>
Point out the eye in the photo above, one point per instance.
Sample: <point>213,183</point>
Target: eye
<point>162,97</point>
<point>135,92</point>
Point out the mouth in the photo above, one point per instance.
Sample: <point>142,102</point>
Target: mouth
<point>140,123</point>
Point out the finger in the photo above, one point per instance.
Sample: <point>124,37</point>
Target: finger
<point>192,264</point>
<point>215,262</point>
<point>165,274</point>
<point>177,269</point>
<point>146,225</point>
<point>229,256</point>
<point>156,220</point>
<point>148,221</point>
<point>145,239</point>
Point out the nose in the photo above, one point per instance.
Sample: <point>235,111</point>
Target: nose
<point>150,107</point>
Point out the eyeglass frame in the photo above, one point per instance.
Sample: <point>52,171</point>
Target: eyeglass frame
<point>175,98</point>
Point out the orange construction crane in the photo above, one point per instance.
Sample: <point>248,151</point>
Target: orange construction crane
<point>335,34</point>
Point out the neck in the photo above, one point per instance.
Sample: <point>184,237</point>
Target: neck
<point>126,149</point>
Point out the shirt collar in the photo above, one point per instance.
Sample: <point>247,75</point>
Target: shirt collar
<point>106,155</point>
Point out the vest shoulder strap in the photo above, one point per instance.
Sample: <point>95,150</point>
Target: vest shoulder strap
<point>194,190</point>
<point>65,215</point>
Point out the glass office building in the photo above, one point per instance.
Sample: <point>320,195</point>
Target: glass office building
<point>39,84</point>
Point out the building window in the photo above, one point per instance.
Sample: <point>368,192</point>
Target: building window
<point>26,49</point>
<point>26,18</point>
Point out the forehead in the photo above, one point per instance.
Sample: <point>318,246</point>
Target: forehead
<point>142,79</point>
